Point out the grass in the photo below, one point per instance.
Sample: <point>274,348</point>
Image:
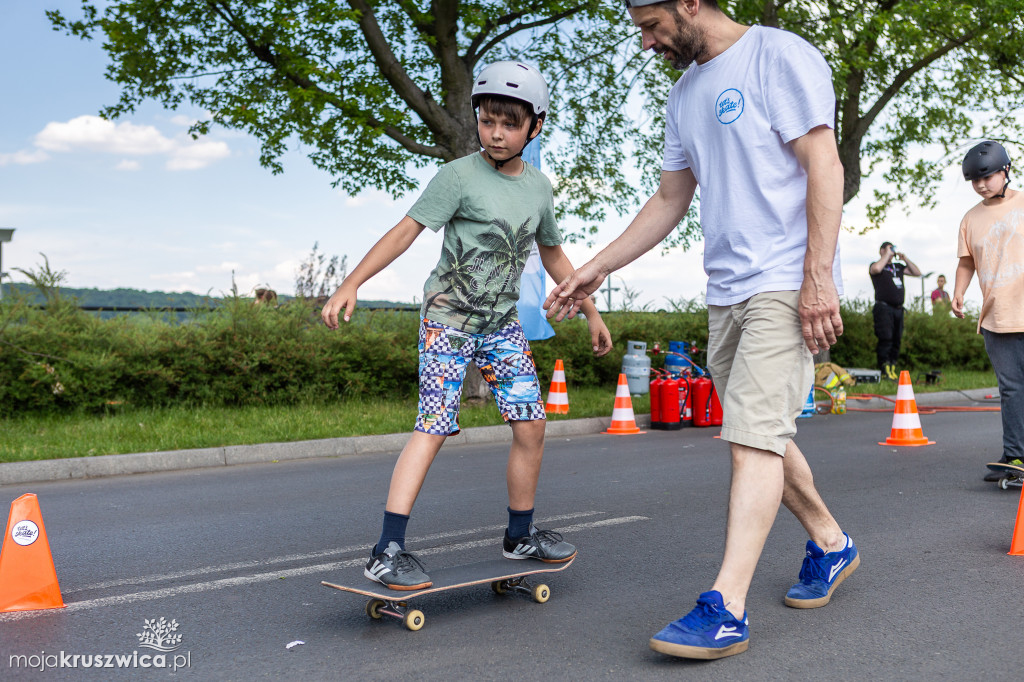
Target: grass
<point>179,428</point>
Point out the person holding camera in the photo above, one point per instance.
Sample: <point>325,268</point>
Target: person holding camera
<point>887,278</point>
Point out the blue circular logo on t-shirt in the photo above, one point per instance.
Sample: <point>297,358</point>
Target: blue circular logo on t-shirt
<point>729,106</point>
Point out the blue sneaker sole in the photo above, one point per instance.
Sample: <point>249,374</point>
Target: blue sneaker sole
<point>701,652</point>
<point>821,601</point>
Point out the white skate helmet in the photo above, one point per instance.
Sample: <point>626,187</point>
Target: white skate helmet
<point>516,80</point>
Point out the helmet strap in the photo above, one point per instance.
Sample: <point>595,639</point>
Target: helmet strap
<point>1006,184</point>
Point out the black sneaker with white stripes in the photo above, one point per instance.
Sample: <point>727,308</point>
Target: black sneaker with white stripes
<point>545,545</point>
<point>397,569</point>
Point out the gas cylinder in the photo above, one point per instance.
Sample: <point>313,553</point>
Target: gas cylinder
<point>676,360</point>
<point>670,404</point>
<point>637,367</point>
<point>656,383</point>
<point>686,400</point>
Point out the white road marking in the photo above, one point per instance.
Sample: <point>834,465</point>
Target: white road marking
<point>124,599</point>
<point>266,563</point>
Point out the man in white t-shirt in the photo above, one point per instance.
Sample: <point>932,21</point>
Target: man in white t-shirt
<point>750,124</point>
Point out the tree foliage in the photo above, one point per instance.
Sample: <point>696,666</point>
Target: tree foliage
<point>376,89</point>
<point>917,83</point>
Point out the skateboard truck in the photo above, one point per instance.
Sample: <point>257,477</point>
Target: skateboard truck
<point>413,619</point>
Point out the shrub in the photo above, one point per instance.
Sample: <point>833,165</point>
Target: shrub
<point>60,359</point>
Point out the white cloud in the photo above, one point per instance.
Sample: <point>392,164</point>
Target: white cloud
<point>370,196</point>
<point>23,158</point>
<point>197,155</point>
<point>126,165</point>
<point>94,134</point>
<point>223,267</point>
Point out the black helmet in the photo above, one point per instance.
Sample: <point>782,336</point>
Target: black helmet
<point>984,160</point>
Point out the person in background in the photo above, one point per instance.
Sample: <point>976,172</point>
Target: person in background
<point>941,304</point>
<point>887,279</point>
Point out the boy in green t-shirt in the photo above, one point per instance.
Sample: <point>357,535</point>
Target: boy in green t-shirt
<point>492,206</point>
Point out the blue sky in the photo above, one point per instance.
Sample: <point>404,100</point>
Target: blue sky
<point>136,203</point>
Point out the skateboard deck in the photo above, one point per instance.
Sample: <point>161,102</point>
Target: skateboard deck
<point>504,575</point>
<point>1010,474</point>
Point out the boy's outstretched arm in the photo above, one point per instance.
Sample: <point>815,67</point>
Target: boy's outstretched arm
<point>964,274</point>
<point>558,266</point>
<point>391,246</point>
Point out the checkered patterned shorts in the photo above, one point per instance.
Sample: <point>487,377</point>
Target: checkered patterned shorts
<point>504,359</point>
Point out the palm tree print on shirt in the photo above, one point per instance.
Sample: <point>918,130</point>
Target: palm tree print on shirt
<point>509,249</point>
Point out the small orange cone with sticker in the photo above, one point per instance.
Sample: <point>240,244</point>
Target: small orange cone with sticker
<point>28,580</point>
<point>906,423</point>
<point>623,420</point>
<point>558,395</point>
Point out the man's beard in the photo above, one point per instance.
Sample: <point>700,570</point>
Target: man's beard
<point>687,45</point>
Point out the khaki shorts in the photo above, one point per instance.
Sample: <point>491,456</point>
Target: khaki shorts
<point>762,370</point>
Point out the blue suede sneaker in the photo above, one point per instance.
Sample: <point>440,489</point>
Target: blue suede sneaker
<point>821,574</point>
<point>709,631</point>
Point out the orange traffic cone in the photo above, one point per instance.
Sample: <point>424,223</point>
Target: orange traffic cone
<point>906,423</point>
<point>558,395</point>
<point>1017,544</point>
<point>623,421</point>
<point>28,580</point>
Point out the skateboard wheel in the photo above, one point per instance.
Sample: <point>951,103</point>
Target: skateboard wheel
<point>1004,483</point>
<point>541,593</point>
<point>414,620</point>
<point>499,587</point>
<point>373,608</point>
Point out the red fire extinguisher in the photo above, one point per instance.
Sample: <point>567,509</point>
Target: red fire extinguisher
<point>655,394</point>
<point>707,409</point>
<point>670,404</point>
<point>686,400</point>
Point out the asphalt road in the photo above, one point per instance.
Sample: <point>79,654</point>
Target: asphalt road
<point>235,556</point>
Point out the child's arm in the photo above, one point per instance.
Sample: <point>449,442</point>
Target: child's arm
<point>391,246</point>
<point>558,266</point>
<point>964,273</point>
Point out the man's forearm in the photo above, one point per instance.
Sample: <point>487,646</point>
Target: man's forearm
<point>656,220</point>
<point>824,215</point>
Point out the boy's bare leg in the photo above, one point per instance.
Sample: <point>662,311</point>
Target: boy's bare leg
<point>524,460</point>
<point>754,497</point>
<point>802,498</point>
<point>411,470</point>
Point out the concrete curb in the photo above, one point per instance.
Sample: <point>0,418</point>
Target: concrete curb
<point>231,455</point>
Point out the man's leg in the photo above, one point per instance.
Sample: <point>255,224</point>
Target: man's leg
<point>754,496</point>
<point>883,331</point>
<point>897,339</point>
<point>802,498</point>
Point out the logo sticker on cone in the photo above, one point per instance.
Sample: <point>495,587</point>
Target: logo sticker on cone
<point>623,421</point>
<point>906,422</point>
<point>558,395</point>
<point>28,580</point>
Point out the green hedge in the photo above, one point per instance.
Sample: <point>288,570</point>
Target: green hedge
<point>62,359</point>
